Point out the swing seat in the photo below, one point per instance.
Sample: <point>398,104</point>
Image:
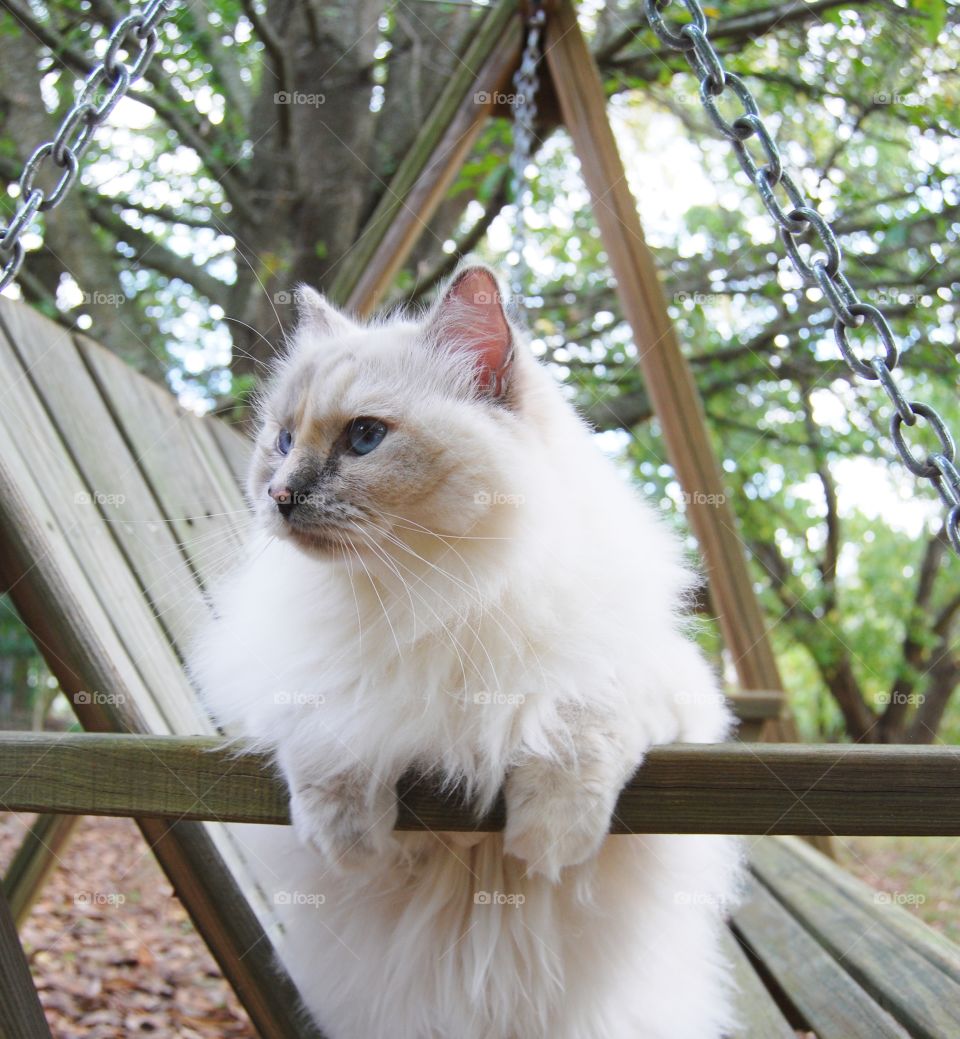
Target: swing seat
<point>118,509</point>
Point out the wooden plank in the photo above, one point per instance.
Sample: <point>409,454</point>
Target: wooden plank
<point>922,998</point>
<point>684,788</point>
<point>21,1015</point>
<point>115,495</point>
<point>34,860</point>
<point>827,998</point>
<point>756,711</point>
<point>909,928</point>
<point>194,496</point>
<point>52,496</point>
<point>235,447</point>
<point>428,169</point>
<point>222,914</point>
<point>666,373</point>
<point>760,1017</point>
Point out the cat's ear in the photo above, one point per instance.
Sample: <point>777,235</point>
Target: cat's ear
<point>315,314</point>
<point>469,316</point>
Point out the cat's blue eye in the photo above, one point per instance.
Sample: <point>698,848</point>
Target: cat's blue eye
<point>284,441</point>
<point>364,434</point>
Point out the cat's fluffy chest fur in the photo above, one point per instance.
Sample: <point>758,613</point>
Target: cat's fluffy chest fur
<point>517,625</point>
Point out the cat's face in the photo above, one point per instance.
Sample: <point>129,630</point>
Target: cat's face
<point>370,434</point>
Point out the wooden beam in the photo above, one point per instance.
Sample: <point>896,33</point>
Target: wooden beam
<point>21,1015</point>
<point>666,373</point>
<point>724,788</point>
<point>426,172</point>
<point>35,860</point>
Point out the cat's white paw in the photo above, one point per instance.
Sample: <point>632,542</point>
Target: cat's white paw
<point>555,826</point>
<point>340,819</point>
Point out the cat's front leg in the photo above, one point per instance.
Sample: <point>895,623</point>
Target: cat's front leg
<point>559,804</point>
<point>348,816</point>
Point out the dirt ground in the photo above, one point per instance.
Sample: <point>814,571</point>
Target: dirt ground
<point>112,950</point>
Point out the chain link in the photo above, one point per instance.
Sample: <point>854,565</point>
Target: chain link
<point>526,85</point>
<point>102,90</point>
<point>823,268</point>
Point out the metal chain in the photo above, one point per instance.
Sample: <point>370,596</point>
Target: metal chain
<point>526,84</point>
<point>101,92</point>
<point>819,268</point>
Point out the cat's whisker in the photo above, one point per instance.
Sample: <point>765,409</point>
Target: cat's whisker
<point>478,596</point>
<point>459,649</point>
<point>376,592</point>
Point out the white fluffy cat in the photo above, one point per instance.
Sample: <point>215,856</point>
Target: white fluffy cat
<point>449,576</point>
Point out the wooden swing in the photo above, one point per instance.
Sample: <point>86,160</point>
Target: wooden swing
<point>115,505</point>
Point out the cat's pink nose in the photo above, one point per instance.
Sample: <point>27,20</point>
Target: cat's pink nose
<point>283,496</point>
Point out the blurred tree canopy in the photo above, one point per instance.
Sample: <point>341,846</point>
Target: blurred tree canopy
<point>209,197</point>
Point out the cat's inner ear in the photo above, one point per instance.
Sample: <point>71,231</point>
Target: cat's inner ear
<point>470,317</point>
<point>315,314</point>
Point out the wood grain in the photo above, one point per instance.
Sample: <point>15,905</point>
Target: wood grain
<point>21,1015</point>
<point>724,788</point>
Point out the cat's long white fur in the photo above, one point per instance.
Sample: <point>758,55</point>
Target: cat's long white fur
<point>527,629</point>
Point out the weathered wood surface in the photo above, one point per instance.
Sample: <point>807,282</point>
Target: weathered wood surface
<point>21,1015</point>
<point>726,788</point>
<point>894,974</point>
<point>850,964</point>
<point>35,858</point>
<point>757,1010</point>
<point>830,1001</point>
